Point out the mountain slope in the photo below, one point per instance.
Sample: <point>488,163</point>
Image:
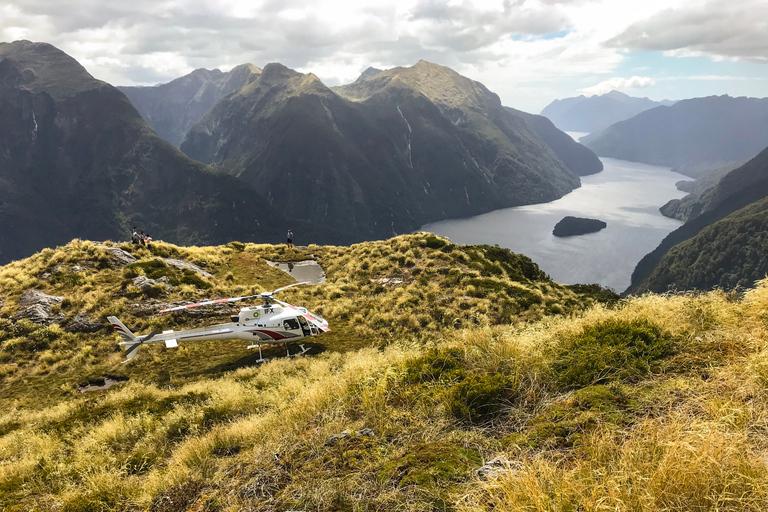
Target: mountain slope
<point>736,190</point>
<point>173,107</point>
<point>579,159</point>
<point>596,113</point>
<point>382,156</point>
<point>78,161</point>
<point>471,382</point>
<point>711,129</point>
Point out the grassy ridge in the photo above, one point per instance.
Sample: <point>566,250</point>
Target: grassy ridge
<point>655,403</point>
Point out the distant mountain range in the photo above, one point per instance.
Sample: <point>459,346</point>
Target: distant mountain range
<point>172,108</point>
<point>594,114</point>
<point>713,129</point>
<point>397,149</point>
<point>384,155</point>
<point>77,160</point>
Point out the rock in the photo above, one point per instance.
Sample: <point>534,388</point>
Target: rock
<point>181,265</point>
<point>571,226</point>
<point>335,438</point>
<point>38,314</point>
<point>31,297</point>
<point>499,466</point>
<point>145,283</point>
<point>76,268</point>
<point>119,257</point>
<point>387,281</point>
<point>81,323</point>
<point>37,307</point>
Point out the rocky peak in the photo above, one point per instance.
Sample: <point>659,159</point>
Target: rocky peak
<point>45,68</point>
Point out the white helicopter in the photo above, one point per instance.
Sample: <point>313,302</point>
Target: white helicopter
<point>274,322</point>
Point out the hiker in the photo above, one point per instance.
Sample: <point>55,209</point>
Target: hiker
<point>135,237</point>
<point>289,239</point>
<point>142,238</point>
<point>149,241</point>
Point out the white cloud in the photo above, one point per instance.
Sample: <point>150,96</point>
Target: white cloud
<point>506,44</point>
<point>720,29</point>
<point>618,84</point>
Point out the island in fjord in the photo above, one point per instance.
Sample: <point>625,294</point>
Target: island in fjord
<point>571,226</point>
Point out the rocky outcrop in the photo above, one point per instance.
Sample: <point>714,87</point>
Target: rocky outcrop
<point>37,307</point>
<point>499,466</point>
<point>145,283</point>
<point>182,265</point>
<point>81,323</point>
<point>118,257</point>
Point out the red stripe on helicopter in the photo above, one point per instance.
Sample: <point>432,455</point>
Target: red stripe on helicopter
<point>118,328</point>
<point>272,334</point>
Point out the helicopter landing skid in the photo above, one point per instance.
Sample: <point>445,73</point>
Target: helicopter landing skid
<point>261,358</point>
<point>304,350</point>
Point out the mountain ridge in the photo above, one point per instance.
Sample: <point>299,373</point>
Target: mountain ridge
<point>389,157</point>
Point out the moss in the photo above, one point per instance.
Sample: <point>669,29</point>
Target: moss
<point>481,398</point>
<point>564,424</point>
<point>436,365</point>
<point>431,465</point>
<point>612,350</point>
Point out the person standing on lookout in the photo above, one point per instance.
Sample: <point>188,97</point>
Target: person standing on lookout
<point>289,238</point>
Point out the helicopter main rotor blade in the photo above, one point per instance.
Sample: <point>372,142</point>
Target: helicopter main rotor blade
<point>288,286</point>
<point>208,303</point>
<point>264,295</point>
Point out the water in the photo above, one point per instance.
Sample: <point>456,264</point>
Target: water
<point>307,270</point>
<point>626,195</point>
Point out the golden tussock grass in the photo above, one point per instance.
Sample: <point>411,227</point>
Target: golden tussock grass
<point>689,432</point>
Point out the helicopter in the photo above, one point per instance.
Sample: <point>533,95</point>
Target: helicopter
<point>273,322</point>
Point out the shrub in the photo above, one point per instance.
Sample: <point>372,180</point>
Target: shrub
<point>434,366</point>
<point>480,398</point>
<point>610,351</point>
<point>434,242</point>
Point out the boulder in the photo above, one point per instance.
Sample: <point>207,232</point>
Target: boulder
<point>181,265</point>
<point>32,297</point>
<point>118,257</point>
<point>145,283</point>
<point>39,314</point>
<point>81,323</point>
<point>499,466</point>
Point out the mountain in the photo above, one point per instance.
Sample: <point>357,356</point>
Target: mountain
<point>470,382</point>
<point>596,113</point>
<point>173,107</point>
<point>78,161</point>
<point>579,159</point>
<point>722,245</point>
<point>385,155</point>
<point>367,74</point>
<point>712,129</point>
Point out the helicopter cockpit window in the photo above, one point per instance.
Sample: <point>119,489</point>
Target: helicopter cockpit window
<point>291,323</point>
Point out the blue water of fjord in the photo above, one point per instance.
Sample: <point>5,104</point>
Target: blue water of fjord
<point>626,195</point>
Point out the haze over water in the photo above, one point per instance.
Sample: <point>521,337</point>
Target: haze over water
<point>626,195</point>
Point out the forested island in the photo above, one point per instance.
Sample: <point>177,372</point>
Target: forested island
<point>572,226</point>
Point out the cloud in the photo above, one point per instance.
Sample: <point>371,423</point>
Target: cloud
<point>618,84</point>
<point>720,29</point>
<point>515,47</point>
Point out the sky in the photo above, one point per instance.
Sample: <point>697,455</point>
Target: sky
<point>529,52</point>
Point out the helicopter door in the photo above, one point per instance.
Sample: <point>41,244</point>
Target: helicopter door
<point>304,325</point>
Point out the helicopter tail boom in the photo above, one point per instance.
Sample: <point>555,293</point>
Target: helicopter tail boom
<point>130,341</point>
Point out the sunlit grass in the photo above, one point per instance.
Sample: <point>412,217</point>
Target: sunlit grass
<point>203,429</point>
